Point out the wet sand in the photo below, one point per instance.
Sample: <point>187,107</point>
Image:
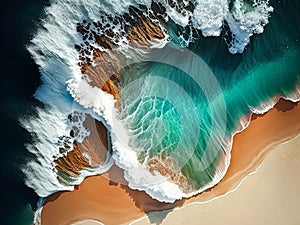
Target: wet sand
<point>99,199</point>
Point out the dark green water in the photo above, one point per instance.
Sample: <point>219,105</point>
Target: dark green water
<point>20,78</point>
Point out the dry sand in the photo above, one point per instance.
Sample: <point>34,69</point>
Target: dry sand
<point>97,198</point>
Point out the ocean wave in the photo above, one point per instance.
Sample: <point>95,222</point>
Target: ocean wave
<point>266,106</point>
<point>243,18</point>
<point>47,127</point>
<point>51,132</point>
<point>246,20</point>
<point>65,48</point>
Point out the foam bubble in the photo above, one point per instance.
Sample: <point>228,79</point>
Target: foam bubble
<point>246,20</point>
<point>208,16</point>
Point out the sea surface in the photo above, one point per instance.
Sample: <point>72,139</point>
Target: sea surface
<point>20,79</point>
<point>180,105</point>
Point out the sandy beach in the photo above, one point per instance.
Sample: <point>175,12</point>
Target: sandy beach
<point>270,193</point>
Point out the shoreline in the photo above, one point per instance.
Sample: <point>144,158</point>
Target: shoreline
<point>137,210</point>
<point>239,169</point>
<point>282,158</point>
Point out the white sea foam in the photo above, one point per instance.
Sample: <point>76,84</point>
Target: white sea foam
<point>293,96</point>
<point>243,19</point>
<point>139,177</point>
<point>47,127</point>
<point>246,20</point>
<point>59,70</point>
<point>37,216</point>
<point>80,132</point>
<point>209,16</point>
<point>181,18</point>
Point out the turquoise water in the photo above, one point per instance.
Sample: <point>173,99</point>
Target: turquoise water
<point>269,66</point>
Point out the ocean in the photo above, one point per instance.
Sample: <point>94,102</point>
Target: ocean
<point>20,79</point>
<point>181,100</point>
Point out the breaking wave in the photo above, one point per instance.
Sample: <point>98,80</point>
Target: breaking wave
<point>162,105</point>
